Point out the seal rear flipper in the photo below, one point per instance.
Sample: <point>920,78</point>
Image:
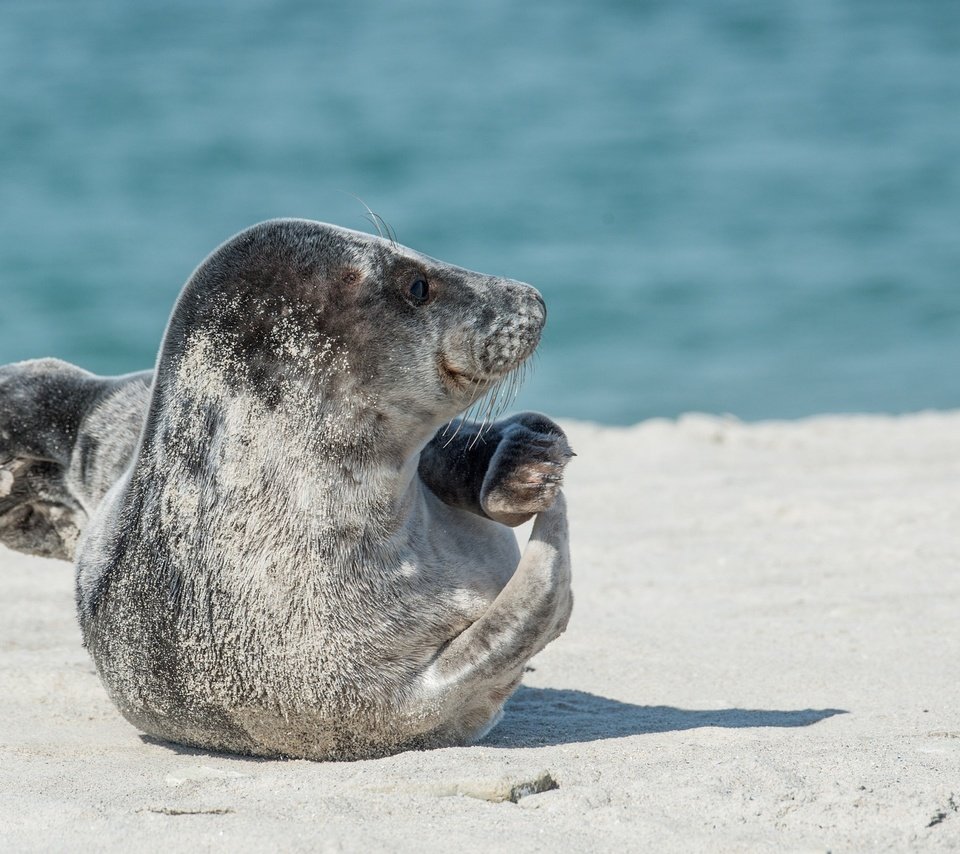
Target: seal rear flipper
<point>66,435</point>
<point>41,405</point>
<point>34,518</point>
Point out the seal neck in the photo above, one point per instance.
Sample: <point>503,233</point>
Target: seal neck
<point>329,476</point>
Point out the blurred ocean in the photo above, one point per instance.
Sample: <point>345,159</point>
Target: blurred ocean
<point>733,207</point>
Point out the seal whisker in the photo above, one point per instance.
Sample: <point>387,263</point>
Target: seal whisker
<point>480,429</point>
<point>472,407</point>
<point>525,370</point>
<point>471,413</point>
<point>509,393</point>
<point>373,218</point>
<point>391,236</point>
<point>491,407</point>
<point>460,424</point>
<point>373,221</point>
<point>488,404</point>
<point>495,402</point>
<point>461,421</point>
<point>502,396</point>
<point>516,380</point>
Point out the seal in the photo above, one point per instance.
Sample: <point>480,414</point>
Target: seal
<point>66,436</point>
<point>299,559</point>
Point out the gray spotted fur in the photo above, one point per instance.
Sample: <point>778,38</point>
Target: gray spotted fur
<point>280,571</point>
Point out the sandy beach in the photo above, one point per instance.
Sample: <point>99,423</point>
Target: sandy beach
<point>764,655</point>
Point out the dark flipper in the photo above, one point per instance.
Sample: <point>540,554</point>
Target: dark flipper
<point>509,471</point>
<point>37,515</point>
<point>65,436</point>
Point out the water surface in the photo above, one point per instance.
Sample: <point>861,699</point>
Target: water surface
<point>732,207</point>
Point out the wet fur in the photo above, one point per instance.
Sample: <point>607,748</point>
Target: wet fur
<point>280,571</point>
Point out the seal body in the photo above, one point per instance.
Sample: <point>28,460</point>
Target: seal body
<point>295,562</point>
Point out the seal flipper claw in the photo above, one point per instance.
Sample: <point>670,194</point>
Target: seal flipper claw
<point>526,472</point>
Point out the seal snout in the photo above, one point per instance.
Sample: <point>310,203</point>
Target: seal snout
<point>508,331</point>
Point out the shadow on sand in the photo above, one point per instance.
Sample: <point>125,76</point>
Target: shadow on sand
<point>538,717</point>
<point>544,717</point>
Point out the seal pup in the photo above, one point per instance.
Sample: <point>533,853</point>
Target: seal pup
<point>294,564</point>
<point>66,436</point>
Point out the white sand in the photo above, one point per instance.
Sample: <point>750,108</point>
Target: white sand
<point>764,656</point>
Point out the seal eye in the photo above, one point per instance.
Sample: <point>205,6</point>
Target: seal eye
<point>419,290</point>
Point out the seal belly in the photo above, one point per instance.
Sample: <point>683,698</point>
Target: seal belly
<point>187,661</point>
<point>188,658</point>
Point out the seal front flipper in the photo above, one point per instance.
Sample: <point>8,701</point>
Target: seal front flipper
<point>507,472</point>
<point>65,437</point>
<point>477,670</point>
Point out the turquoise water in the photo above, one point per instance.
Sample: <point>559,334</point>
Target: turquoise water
<point>729,206</point>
